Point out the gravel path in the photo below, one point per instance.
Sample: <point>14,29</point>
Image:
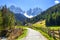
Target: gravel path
<point>34,35</point>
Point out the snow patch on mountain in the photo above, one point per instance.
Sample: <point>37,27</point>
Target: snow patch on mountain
<point>29,16</point>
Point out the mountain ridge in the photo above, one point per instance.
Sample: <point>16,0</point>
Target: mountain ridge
<point>31,12</point>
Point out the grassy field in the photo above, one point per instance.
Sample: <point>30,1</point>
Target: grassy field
<point>39,24</point>
<point>42,24</point>
<point>54,27</point>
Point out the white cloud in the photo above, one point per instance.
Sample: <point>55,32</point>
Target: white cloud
<point>28,15</point>
<point>56,1</point>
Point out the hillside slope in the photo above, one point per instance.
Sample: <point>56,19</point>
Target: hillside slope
<point>40,24</point>
<point>51,15</point>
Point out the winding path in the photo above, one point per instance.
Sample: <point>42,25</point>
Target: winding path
<point>34,35</point>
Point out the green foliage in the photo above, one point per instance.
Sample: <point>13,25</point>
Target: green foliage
<point>53,19</point>
<point>1,19</point>
<point>7,19</point>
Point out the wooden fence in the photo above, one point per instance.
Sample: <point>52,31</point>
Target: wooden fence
<point>54,33</point>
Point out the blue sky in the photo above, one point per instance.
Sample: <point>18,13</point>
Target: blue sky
<point>27,4</point>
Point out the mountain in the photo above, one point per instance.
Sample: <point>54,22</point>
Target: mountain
<point>51,15</point>
<point>29,13</point>
<point>18,13</point>
<point>34,12</point>
<point>16,9</point>
<point>20,17</point>
<point>28,16</point>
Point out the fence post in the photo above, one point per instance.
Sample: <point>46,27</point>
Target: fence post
<point>53,34</point>
<point>59,33</point>
<point>49,32</point>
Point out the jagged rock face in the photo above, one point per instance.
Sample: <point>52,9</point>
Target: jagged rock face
<point>34,12</point>
<point>31,12</point>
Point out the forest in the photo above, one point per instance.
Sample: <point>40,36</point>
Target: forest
<point>7,20</point>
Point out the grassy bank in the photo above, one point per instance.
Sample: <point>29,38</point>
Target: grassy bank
<point>23,35</point>
<point>46,35</point>
<point>24,32</point>
<point>23,27</point>
<point>54,27</point>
